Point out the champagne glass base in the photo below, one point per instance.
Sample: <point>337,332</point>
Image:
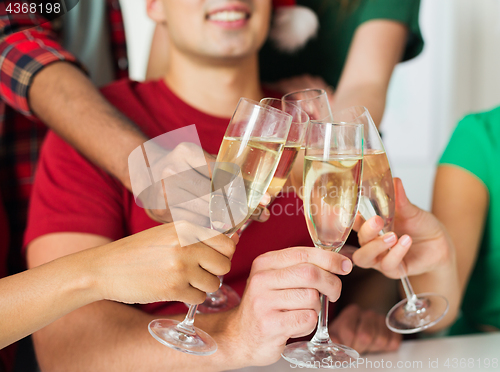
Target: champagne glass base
<point>225,298</point>
<point>311,355</point>
<point>167,332</point>
<point>429,309</point>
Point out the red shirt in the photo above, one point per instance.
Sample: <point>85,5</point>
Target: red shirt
<point>72,195</point>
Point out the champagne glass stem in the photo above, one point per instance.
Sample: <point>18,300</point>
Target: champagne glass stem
<point>187,324</point>
<point>321,336</point>
<point>367,211</point>
<point>410,295</point>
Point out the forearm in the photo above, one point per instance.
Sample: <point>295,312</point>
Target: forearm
<point>370,95</point>
<point>35,298</point>
<point>67,101</point>
<point>108,336</point>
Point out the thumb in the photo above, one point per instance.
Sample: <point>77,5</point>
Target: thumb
<point>404,208</point>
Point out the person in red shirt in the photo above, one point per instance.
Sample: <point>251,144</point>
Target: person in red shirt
<point>75,205</point>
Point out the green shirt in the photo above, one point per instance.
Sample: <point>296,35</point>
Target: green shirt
<point>325,55</point>
<point>475,147</point>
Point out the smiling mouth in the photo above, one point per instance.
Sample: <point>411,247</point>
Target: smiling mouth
<point>228,16</point>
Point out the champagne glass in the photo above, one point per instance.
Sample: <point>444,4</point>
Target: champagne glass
<point>313,101</point>
<point>294,143</point>
<point>416,312</point>
<point>332,180</point>
<point>225,297</point>
<point>247,159</point>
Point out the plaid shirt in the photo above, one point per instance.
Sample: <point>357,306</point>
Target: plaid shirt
<point>22,55</point>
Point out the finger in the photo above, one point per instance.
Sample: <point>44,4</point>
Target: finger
<point>213,239</point>
<point>235,238</point>
<point>211,260</point>
<point>261,214</point>
<point>346,323</point>
<point>193,296</point>
<point>304,275</point>
<point>266,199</point>
<point>298,323</point>
<point>179,196</point>
<point>222,244</point>
<point>358,222</point>
<point>326,260</point>
<point>191,154</point>
<point>395,256</point>
<point>204,281</point>
<point>404,208</point>
<point>366,331</point>
<point>367,255</point>
<point>196,185</point>
<point>296,299</point>
<point>370,230</point>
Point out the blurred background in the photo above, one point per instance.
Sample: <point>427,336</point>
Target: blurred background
<point>457,73</point>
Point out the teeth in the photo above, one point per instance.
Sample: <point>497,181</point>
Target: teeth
<point>227,16</point>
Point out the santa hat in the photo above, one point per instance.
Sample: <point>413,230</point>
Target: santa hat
<point>293,25</point>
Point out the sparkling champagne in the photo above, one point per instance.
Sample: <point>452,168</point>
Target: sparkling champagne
<point>283,170</point>
<point>331,198</point>
<point>377,192</point>
<point>242,174</point>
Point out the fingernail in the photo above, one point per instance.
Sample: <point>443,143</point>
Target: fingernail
<point>390,238</point>
<point>266,199</point>
<point>346,266</point>
<point>405,240</point>
<point>373,223</point>
<point>264,216</point>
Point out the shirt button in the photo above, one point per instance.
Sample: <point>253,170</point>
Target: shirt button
<point>123,63</point>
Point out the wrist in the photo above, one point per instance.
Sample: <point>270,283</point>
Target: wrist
<point>224,328</point>
<point>81,281</point>
<point>93,283</point>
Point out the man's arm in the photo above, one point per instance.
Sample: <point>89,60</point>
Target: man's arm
<point>67,101</point>
<point>281,301</point>
<point>55,90</point>
<point>376,49</point>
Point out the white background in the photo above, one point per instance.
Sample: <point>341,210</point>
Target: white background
<point>457,73</point>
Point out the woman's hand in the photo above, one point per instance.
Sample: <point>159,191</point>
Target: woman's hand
<point>422,247</point>
<point>153,266</point>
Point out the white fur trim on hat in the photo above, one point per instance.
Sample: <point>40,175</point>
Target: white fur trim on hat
<point>292,27</point>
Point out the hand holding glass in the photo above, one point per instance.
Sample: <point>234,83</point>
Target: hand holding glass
<point>332,179</point>
<point>245,166</point>
<point>416,312</point>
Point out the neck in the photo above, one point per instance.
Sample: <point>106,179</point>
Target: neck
<point>211,87</point>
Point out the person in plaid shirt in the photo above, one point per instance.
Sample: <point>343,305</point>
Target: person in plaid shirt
<point>43,81</point>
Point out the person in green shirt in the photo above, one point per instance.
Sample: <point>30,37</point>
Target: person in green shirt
<point>455,251</point>
<point>467,201</point>
<point>359,42</point>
